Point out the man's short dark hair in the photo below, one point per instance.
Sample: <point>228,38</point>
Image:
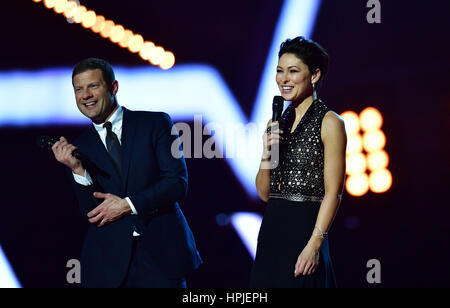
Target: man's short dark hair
<point>311,53</point>
<point>93,64</point>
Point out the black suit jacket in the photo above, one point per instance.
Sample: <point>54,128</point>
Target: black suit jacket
<point>155,181</point>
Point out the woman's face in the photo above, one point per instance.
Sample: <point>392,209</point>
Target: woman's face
<point>294,78</point>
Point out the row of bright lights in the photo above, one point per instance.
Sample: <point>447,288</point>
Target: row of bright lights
<point>366,153</point>
<point>117,34</point>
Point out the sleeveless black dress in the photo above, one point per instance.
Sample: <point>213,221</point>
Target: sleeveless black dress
<point>296,192</point>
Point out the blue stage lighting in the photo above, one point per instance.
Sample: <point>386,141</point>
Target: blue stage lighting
<point>7,277</point>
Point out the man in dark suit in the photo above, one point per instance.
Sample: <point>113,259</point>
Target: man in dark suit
<point>128,188</point>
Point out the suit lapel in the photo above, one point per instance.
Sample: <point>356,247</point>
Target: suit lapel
<point>128,134</point>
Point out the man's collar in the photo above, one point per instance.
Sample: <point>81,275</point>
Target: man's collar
<point>115,119</point>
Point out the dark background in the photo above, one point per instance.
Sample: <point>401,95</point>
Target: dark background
<point>400,66</point>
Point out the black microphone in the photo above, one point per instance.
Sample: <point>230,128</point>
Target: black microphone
<point>46,142</point>
<point>277,108</point>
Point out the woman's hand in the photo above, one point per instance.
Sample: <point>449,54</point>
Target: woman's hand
<point>269,160</point>
<point>272,136</point>
<point>308,260</point>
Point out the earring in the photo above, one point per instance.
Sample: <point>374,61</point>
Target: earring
<point>315,91</point>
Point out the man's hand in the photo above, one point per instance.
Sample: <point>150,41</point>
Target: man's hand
<point>63,153</point>
<point>112,209</point>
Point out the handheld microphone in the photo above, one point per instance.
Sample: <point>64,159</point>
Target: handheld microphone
<point>46,142</point>
<point>277,108</point>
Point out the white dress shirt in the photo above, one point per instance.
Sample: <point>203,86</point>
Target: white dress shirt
<point>116,120</point>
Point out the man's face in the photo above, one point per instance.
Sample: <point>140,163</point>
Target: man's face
<point>95,99</point>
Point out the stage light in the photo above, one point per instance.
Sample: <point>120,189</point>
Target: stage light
<point>88,20</point>
<point>49,3</point>
<point>247,225</point>
<point>126,39</point>
<point>366,153</point>
<point>157,55</point>
<point>117,33</point>
<point>351,120</point>
<point>7,277</point>
<point>356,163</point>
<point>146,50</point>
<point>357,185</point>
<point>99,24</point>
<point>79,13</point>
<point>380,181</point>
<point>106,31</point>
<point>135,44</point>
<point>61,6</point>
<point>168,62</point>
<point>377,160</point>
<point>371,119</point>
<point>374,141</point>
<point>71,9</point>
<point>354,144</point>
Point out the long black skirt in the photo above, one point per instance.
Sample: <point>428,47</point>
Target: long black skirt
<point>285,230</point>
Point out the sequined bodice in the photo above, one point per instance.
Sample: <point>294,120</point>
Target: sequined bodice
<point>299,175</point>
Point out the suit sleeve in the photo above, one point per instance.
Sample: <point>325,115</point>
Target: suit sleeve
<point>84,195</point>
<point>172,185</point>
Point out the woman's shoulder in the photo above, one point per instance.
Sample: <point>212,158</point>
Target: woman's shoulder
<point>332,122</point>
<point>331,115</point>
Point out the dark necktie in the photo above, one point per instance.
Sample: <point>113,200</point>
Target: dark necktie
<point>115,151</point>
<point>113,146</point>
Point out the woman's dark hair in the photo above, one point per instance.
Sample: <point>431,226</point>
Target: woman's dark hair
<point>311,53</point>
<point>92,64</point>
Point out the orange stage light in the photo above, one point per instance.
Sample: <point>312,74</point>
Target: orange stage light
<point>125,38</point>
<point>157,55</point>
<point>99,24</point>
<point>70,10</point>
<point>168,62</point>
<point>146,50</point>
<point>106,31</point>
<point>49,3</point>
<point>78,14</point>
<point>380,181</point>
<point>356,163</point>
<point>370,119</point>
<point>374,141</point>
<point>354,143</point>
<point>61,6</point>
<point>117,33</point>
<point>135,44</point>
<point>377,160</point>
<point>89,19</point>
<point>357,185</point>
<point>365,153</point>
<point>351,121</point>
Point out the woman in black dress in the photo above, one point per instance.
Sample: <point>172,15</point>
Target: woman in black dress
<point>305,189</point>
